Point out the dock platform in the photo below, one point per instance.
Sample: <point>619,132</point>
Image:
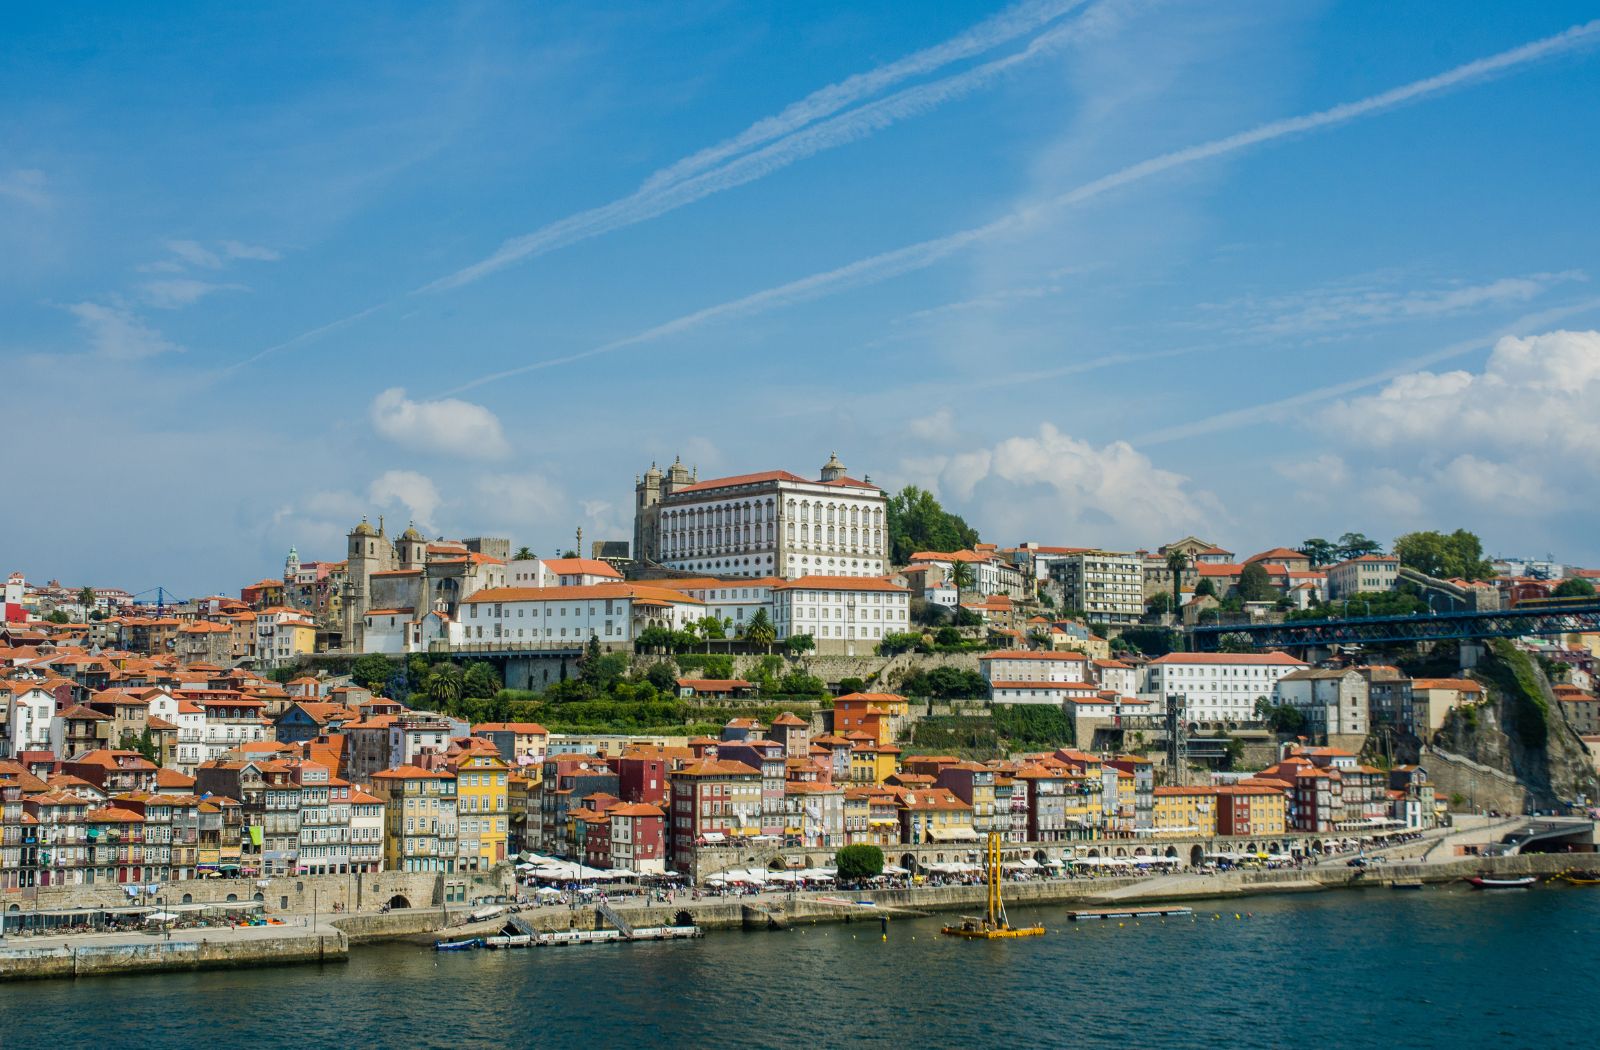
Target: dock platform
<point>1127,913</point>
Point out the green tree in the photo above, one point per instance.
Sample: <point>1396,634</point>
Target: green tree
<point>144,743</point>
<point>1356,545</point>
<point>86,599</point>
<point>663,675</point>
<point>1255,585</point>
<point>850,685</point>
<point>967,618</point>
<point>372,671</point>
<point>57,616</point>
<point>444,686</point>
<point>759,630</point>
<point>523,554</point>
<point>1574,587</point>
<point>481,681</point>
<point>962,576</point>
<point>1281,718</point>
<point>858,862</point>
<point>1235,642</point>
<point>799,644</point>
<point>1206,588</point>
<point>916,522</point>
<point>1177,564</point>
<point>1158,604</point>
<point>1320,551</point>
<point>1456,554</point>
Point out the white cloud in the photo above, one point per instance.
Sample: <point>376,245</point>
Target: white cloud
<point>939,427</point>
<point>195,254</point>
<point>409,489</point>
<point>447,426</point>
<point>1535,394</point>
<point>1111,491</point>
<point>520,500</point>
<point>172,293</point>
<point>26,186</point>
<point>240,250</point>
<point>114,332</point>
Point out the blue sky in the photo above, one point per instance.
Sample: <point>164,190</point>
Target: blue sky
<point>263,271</point>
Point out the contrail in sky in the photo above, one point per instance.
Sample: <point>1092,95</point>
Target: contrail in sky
<point>771,143</point>
<point>925,253</point>
<point>794,135</point>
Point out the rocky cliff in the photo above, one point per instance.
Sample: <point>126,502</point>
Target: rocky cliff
<point>1519,730</point>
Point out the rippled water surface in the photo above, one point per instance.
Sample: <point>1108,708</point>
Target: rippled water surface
<point>1381,968</point>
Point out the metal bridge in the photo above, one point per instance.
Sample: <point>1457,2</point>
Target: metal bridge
<point>1541,618</point>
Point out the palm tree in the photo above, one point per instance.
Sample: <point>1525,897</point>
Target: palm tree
<point>523,554</point>
<point>760,630</point>
<point>1177,562</point>
<point>961,576</point>
<point>86,599</point>
<point>444,685</point>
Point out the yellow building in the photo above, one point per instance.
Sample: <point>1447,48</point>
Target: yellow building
<point>1185,811</point>
<point>932,815</point>
<point>419,819</point>
<point>1083,804</point>
<point>873,763</point>
<point>482,808</point>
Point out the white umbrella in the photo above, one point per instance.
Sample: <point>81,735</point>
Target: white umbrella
<point>160,916</point>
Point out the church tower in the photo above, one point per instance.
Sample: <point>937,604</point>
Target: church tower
<point>362,561</point>
<point>833,470</point>
<point>412,548</point>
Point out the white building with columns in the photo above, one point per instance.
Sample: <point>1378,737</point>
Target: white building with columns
<point>769,524</point>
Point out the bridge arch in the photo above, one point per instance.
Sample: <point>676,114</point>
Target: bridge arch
<point>398,901</point>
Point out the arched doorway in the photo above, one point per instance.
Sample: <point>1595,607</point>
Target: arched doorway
<point>1140,852</point>
<point>683,918</point>
<point>1197,856</point>
<point>1172,851</point>
<point>1122,851</point>
<point>908,861</point>
<point>398,901</point>
<point>232,897</point>
<point>188,898</point>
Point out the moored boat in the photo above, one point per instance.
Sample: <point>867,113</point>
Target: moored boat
<point>1580,878</point>
<point>465,945</point>
<point>993,925</point>
<point>1491,882</point>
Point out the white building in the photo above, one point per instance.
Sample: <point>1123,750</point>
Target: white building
<point>1333,701</point>
<point>560,572</point>
<point>191,723</point>
<point>1218,687</point>
<point>992,573</point>
<point>1107,586</point>
<point>1370,572</point>
<point>1056,694</point>
<point>845,614</point>
<point>29,711</point>
<point>769,524</point>
<point>611,612</point>
<point>1116,676</point>
<point>733,601</point>
<point>1021,665</point>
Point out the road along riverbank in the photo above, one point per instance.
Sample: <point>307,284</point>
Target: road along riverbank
<point>101,954</point>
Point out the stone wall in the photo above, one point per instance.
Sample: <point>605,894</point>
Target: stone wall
<point>288,895</point>
<point>23,963</point>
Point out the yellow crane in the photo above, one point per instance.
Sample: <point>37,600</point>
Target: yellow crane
<point>993,925</point>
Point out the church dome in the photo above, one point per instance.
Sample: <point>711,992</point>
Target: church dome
<point>364,529</point>
<point>412,534</point>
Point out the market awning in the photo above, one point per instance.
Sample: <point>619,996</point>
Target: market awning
<point>959,833</point>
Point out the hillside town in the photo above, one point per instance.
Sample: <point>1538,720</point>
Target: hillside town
<point>834,685</point>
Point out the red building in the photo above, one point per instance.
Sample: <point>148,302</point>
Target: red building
<point>638,837</point>
<point>642,777</point>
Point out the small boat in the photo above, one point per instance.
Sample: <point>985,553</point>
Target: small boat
<point>1490,882</point>
<point>1580,878</point>
<point>993,925</point>
<point>465,945</point>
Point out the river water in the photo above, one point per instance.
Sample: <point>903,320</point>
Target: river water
<point>1377,968</point>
